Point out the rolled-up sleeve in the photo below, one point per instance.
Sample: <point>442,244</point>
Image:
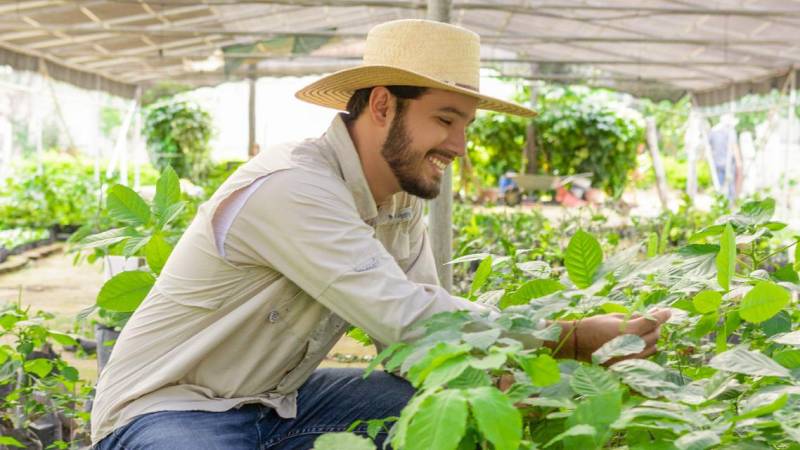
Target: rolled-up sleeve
<point>306,226</point>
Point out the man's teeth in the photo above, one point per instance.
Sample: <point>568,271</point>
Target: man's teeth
<point>437,162</point>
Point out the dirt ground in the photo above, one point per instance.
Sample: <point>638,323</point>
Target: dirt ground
<point>55,285</point>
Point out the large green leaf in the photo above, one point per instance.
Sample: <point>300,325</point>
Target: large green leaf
<point>125,205</point>
<point>645,377</point>
<point>383,355</point>
<point>40,367</point>
<point>10,441</point>
<point>339,441</point>
<point>481,275</point>
<point>171,213</point>
<point>797,256</point>
<point>470,378</point>
<point>156,252</point>
<point>133,245</point>
<point>600,412</point>
<point>530,290</point>
<point>590,381</point>
<point>707,301</point>
<point>107,238</point>
<point>582,258</point>
<point>726,258</point>
<point>125,291</point>
<point>400,429</point>
<point>740,360</point>
<point>697,440</point>
<point>449,370</point>
<point>542,370</point>
<point>498,420</point>
<point>788,358</point>
<point>168,191</point>
<point>434,358</point>
<point>577,430</point>
<point>757,211</point>
<point>63,338</point>
<point>439,423</point>
<point>763,301</point>
<point>482,339</point>
<point>792,338</point>
<point>624,345</point>
<point>764,409</point>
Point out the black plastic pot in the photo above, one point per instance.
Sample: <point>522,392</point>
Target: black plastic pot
<point>3,254</point>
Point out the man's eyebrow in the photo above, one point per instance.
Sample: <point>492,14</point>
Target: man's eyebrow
<point>457,112</point>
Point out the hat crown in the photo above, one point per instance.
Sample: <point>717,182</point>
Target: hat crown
<point>440,51</point>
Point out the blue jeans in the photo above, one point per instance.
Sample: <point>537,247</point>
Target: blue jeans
<point>329,401</point>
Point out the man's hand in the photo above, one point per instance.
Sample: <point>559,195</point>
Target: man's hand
<point>592,332</point>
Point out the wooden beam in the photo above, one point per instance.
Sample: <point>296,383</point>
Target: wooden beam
<point>539,9</point>
<point>658,167</point>
<point>486,38</point>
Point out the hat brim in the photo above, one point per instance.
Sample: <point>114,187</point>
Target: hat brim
<point>334,90</point>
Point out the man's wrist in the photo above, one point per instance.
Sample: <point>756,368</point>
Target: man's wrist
<point>565,345</point>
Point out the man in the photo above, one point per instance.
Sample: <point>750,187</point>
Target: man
<point>298,244</point>
<point>726,156</point>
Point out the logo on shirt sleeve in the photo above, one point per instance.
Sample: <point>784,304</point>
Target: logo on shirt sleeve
<point>369,264</point>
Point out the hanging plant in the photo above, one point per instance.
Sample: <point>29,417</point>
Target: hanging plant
<point>178,134</point>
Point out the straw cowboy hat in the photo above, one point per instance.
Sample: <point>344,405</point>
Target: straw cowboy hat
<point>412,53</point>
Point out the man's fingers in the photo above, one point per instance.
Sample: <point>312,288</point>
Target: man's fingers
<point>648,351</point>
<point>651,338</point>
<point>644,325</point>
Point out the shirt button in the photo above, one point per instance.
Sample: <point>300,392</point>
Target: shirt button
<point>274,316</point>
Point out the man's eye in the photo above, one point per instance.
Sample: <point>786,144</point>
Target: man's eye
<point>445,121</point>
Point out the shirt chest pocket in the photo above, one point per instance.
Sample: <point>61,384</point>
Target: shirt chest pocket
<point>392,231</point>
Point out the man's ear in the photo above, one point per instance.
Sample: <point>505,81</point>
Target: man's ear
<point>381,106</point>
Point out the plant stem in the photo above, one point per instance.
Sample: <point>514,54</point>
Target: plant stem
<point>786,247</point>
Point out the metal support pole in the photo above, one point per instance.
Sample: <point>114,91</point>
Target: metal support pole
<point>251,113</point>
<point>790,116</point>
<point>690,144</point>
<point>658,167</point>
<point>440,216</point>
<point>529,151</point>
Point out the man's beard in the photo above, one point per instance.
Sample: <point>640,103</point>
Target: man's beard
<point>408,170</point>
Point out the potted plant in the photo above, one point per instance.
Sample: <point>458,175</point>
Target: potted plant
<point>133,253</point>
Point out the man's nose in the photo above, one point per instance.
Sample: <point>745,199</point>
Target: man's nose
<point>457,143</point>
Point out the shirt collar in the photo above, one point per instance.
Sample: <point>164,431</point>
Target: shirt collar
<point>340,147</point>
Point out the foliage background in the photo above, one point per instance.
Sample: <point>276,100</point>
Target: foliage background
<point>578,130</point>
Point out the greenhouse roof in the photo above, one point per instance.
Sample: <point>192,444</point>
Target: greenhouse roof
<point>659,48</point>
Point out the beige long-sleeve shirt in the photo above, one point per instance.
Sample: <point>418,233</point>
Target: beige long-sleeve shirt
<point>248,319</point>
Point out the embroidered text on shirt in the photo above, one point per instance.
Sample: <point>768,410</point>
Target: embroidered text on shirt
<point>369,264</point>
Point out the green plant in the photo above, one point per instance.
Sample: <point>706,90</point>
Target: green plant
<point>63,194</point>
<point>494,144</point>
<point>36,383</point>
<point>178,134</point>
<point>589,131</point>
<point>148,232</point>
<point>726,376</point>
<point>20,236</point>
<point>578,130</point>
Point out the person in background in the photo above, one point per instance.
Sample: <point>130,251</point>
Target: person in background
<point>726,156</point>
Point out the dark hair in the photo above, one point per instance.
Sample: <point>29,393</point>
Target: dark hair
<point>360,98</point>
